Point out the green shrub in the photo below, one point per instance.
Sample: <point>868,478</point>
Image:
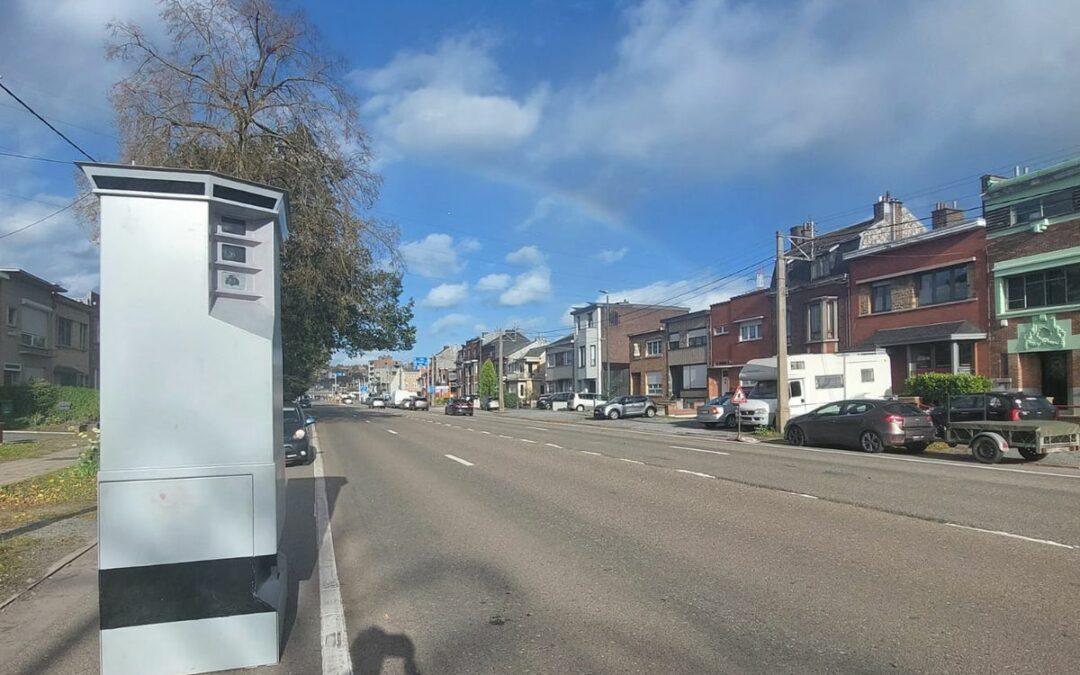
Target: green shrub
<point>935,388</point>
<point>35,403</point>
<point>511,400</point>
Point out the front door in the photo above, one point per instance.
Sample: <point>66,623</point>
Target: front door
<point>725,383</point>
<point>1055,376</point>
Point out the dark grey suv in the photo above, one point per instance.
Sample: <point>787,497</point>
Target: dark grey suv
<point>625,406</point>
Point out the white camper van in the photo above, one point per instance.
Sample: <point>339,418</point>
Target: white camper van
<point>813,381</point>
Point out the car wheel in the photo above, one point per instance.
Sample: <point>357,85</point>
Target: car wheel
<point>917,447</point>
<point>986,450</point>
<point>796,436</point>
<point>580,408</point>
<point>650,412</point>
<point>613,415</point>
<point>871,442</point>
<point>1031,453</point>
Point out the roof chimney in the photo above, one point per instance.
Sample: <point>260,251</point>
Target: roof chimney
<point>886,208</point>
<point>946,215</point>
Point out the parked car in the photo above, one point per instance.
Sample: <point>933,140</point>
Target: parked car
<point>543,402</point>
<point>420,403</point>
<point>458,406</point>
<point>347,399</point>
<point>377,403</point>
<point>303,400</point>
<point>407,403</point>
<point>625,406</point>
<point>584,401</point>
<point>718,411</point>
<point>996,406</point>
<point>560,401</point>
<point>872,425</point>
<point>296,437</point>
<point>489,404</point>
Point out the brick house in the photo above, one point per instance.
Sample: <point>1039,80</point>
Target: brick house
<point>688,356</point>
<point>818,290</point>
<point>923,299</point>
<point>1033,249</point>
<point>600,339</point>
<point>648,364</point>
<point>743,328</point>
<point>468,367</point>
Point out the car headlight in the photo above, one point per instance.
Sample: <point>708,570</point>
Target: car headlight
<point>299,434</point>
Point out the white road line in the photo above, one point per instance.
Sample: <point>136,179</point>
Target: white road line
<point>710,452</point>
<point>391,431</point>
<point>485,432</point>
<point>459,460</point>
<point>589,452</point>
<point>632,461</point>
<point>695,473</point>
<point>538,428</point>
<point>334,635</point>
<point>1012,536</point>
<point>469,429</point>
<point>502,436</point>
<point>803,494</point>
<point>525,440</point>
<point>552,445</point>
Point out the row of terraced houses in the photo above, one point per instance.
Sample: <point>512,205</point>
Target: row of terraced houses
<point>997,295</point>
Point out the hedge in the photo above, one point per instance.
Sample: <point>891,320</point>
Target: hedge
<point>935,388</point>
<point>36,403</point>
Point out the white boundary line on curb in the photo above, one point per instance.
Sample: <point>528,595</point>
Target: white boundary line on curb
<point>1010,535</point>
<point>459,460</point>
<point>334,637</point>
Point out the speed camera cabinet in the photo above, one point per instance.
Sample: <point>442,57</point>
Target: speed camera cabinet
<point>191,487</point>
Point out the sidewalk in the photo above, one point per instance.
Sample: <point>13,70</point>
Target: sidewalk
<point>21,469</point>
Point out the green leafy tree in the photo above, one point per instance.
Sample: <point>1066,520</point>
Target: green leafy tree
<point>489,380</point>
<point>240,88</point>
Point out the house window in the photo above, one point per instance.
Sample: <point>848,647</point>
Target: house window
<point>674,340</point>
<point>654,384</point>
<point>932,357</point>
<point>829,381</point>
<point>653,347</point>
<point>798,365</point>
<point>12,316</point>
<point>551,360</point>
<point>1044,288</point>
<point>1052,205</point>
<point>637,350</point>
<point>880,298</point>
<point>581,356</point>
<point>944,285</point>
<point>63,331</point>
<point>590,320</point>
<point>750,331</point>
<point>821,320</point>
<point>35,328</point>
<point>967,357</point>
<point>11,374</point>
<point>795,389</point>
<point>867,374</point>
<point>697,338</point>
<point>822,266</point>
<point>84,335</point>
<point>720,330</point>
<point>592,355</point>
<point>694,377</point>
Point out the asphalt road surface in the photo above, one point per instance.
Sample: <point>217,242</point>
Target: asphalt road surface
<point>500,544</point>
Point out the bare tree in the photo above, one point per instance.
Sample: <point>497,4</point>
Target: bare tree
<point>244,89</point>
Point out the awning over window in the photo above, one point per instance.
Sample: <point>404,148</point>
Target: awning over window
<point>935,332</point>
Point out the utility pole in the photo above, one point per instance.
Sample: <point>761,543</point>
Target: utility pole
<point>502,385</point>
<point>604,337</point>
<point>783,409</point>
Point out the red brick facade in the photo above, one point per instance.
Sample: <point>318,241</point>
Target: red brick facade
<point>643,364</point>
<point>729,352</point>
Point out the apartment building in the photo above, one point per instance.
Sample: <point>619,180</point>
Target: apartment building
<point>923,298</point>
<point>47,335</point>
<point>468,367</point>
<point>559,368</point>
<point>525,368</point>
<point>648,364</point>
<point>601,344</point>
<point>1033,250</point>
<point>743,328</point>
<point>442,367</point>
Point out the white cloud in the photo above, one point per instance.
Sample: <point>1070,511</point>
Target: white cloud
<point>609,256</point>
<point>436,255</point>
<point>531,286</point>
<point>448,100</point>
<point>57,250</point>
<point>693,293</point>
<point>448,321</point>
<point>447,295</point>
<point>493,282</point>
<point>526,255</point>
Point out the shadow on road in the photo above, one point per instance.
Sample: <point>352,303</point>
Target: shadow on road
<point>371,649</point>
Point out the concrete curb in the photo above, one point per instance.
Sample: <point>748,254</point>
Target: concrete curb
<point>61,564</point>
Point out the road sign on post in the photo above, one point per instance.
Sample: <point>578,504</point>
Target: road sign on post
<point>191,476</point>
<point>738,398</point>
<point>419,362</point>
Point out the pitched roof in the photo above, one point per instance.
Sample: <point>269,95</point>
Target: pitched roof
<point>935,332</point>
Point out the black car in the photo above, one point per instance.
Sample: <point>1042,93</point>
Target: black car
<point>303,400</point>
<point>996,406</point>
<point>544,401</point>
<point>459,406</point>
<point>869,424</point>
<point>297,436</point>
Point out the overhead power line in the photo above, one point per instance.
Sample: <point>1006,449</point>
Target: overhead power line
<point>19,155</point>
<point>43,219</point>
<point>46,122</point>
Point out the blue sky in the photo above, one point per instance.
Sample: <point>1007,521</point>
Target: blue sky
<point>536,152</point>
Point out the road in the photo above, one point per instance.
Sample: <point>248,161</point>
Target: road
<point>494,544</point>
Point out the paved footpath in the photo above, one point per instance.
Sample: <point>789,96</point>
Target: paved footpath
<point>21,469</point>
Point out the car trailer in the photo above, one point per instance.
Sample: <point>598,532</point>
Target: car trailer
<point>989,440</point>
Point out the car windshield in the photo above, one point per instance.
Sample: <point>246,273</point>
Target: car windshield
<point>763,389</point>
<point>905,409</point>
<point>290,417</point>
<point>1036,404</point>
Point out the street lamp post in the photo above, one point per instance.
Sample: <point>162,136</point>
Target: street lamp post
<point>606,341</point>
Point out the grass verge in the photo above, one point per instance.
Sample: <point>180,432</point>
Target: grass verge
<point>47,496</point>
<point>39,447</point>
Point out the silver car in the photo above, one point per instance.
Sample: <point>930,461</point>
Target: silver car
<point>718,411</point>
<point>625,406</point>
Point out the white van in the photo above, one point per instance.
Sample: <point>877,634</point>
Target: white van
<point>584,401</point>
<point>400,396</point>
<point>813,381</point>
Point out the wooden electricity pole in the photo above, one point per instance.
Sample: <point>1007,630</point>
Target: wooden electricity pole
<point>783,409</point>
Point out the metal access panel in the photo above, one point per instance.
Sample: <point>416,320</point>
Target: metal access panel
<point>192,463</point>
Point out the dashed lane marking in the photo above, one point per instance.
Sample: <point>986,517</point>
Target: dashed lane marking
<point>590,452</point>
<point>459,460</point>
<point>391,431</point>
<point>708,452</point>
<point>525,440</point>
<point>694,473</point>
<point>631,461</point>
<point>552,445</point>
<point>538,428</point>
